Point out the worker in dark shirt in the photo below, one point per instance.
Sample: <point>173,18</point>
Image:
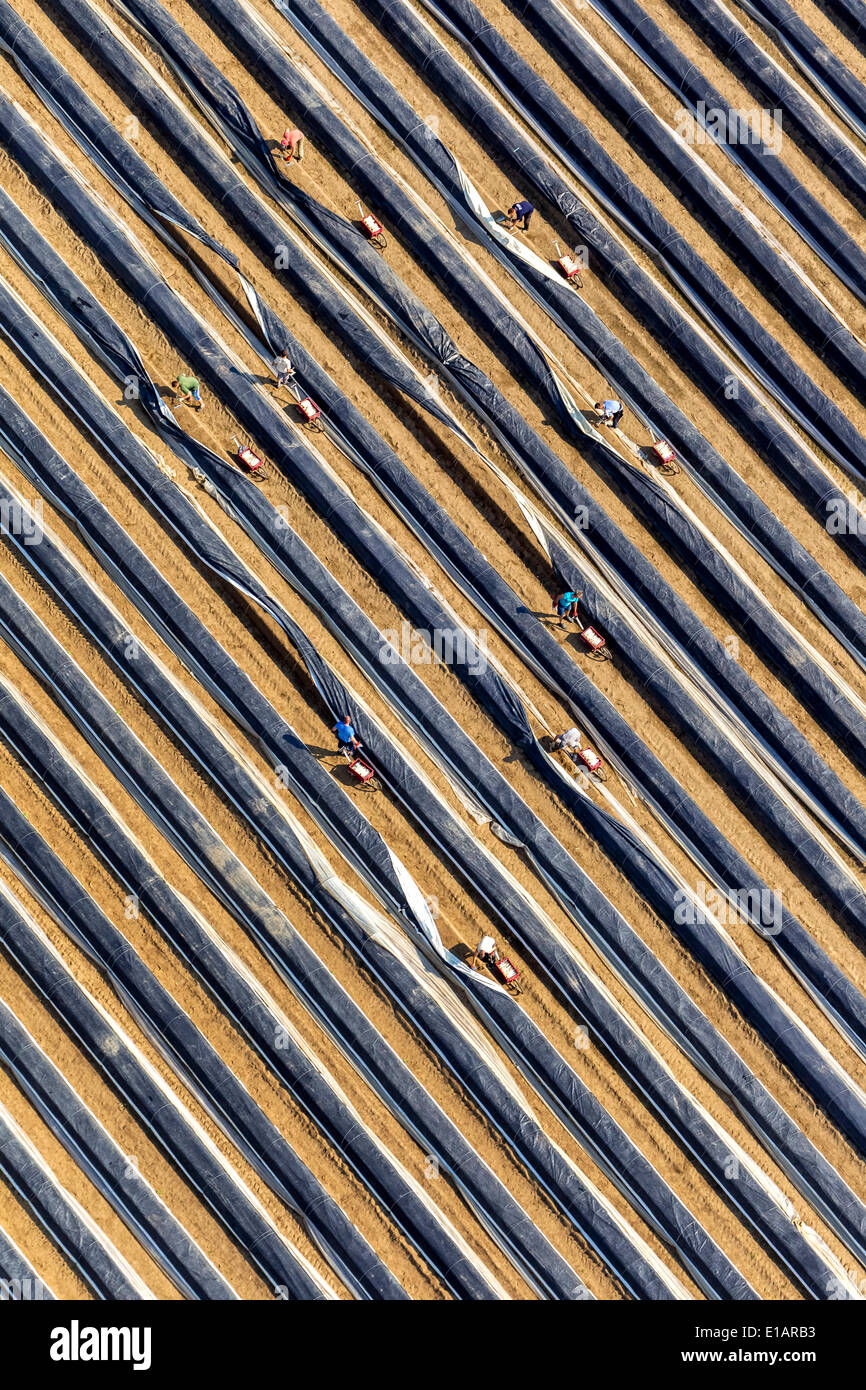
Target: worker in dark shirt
<point>519,213</point>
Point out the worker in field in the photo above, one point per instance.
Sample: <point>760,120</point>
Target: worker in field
<point>347,739</point>
<point>565,605</point>
<point>520,212</point>
<point>570,742</point>
<point>485,953</point>
<point>609,413</point>
<point>282,368</point>
<point>292,145</point>
<point>187,390</point>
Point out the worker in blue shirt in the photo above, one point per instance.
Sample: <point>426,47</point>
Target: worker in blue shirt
<point>610,413</point>
<point>347,739</point>
<point>519,212</point>
<point>566,605</point>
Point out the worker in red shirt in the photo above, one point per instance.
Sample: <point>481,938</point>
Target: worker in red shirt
<point>292,145</point>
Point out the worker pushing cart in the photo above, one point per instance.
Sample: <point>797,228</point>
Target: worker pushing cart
<point>565,605</point>
<point>282,368</point>
<point>486,953</point>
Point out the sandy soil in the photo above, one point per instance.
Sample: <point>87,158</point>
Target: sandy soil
<point>458,481</point>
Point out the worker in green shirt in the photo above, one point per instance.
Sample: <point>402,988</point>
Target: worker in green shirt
<point>188,389</point>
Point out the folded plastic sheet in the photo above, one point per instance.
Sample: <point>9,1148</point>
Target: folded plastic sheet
<point>198,348</point>
<point>213,756</point>
<point>141,1088</point>
<point>64,1220</point>
<point>78,1129</point>
<point>296,766</point>
<point>354,1142</point>
<point>830,986</point>
<point>172,1030</point>
<point>850,17</point>
<point>807,1167</point>
<point>833,152</point>
<point>814,58</point>
<point>745,146</point>
<point>18,1280</point>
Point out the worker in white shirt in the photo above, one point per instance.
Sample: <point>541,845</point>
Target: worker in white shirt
<point>282,368</point>
<point>485,952</point>
<point>570,742</point>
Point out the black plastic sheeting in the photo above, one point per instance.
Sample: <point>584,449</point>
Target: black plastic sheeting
<point>547,1268</point>
<point>810,1171</point>
<point>193,732</point>
<point>19,1282</point>
<point>804,211</point>
<point>313,981</point>
<point>244,1007</point>
<point>609,258</point>
<point>525,1040</point>
<point>247,405</point>
<point>156,598</point>
<point>828,982</point>
<point>96,1152</point>
<point>529,637</point>
<point>850,17</point>
<point>811,485</point>
<point>835,157</point>
<point>565,494</point>
<point>823,419</point>
<point>524,1037</point>
<point>812,55</point>
<point>57,1217</point>
<point>762,626</point>
<point>476,577</point>
<point>754,421</point>
<point>196,1060</point>
<point>794,662</point>
<point>351,430</point>
<point>791,560</point>
<point>194,1159</point>
<point>311,1090</point>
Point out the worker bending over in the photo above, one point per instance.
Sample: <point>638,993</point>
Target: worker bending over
<point>519,212</point>
<point>292,145</point>
<point>188,390</point>
<point>609,413</point>
<point>485,953</point>
<point>570,742</point>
